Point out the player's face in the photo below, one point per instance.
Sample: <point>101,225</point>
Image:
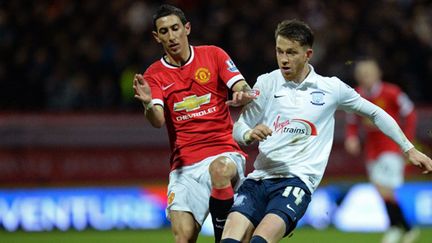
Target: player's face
<point>292,58</point>
<point>173,35</point>
<point>367,73</point>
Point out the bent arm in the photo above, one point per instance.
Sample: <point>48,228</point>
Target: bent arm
<point>240,132</point>
<point>154,114</point>
<point>250,116</point>
<point>242,94</point>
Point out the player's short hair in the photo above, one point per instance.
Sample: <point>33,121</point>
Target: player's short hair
<point>295,30</point>
<point>165,10</point>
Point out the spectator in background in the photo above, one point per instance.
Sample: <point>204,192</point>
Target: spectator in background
<point>187,89</point>
<point>41,37</point>
<point>293,120</point>
<point>384,159</point>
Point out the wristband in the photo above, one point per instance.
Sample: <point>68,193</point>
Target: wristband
<point>247,137</point>
<point>148,106</point>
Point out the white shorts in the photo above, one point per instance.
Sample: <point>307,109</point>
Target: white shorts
<point>387,170</point>
<point>189,187</point>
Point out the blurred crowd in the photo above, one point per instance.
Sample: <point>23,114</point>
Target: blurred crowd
<point>77,55</point>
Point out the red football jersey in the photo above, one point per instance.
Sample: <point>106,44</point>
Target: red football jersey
<point>193,96</point>
<point>397,104</point>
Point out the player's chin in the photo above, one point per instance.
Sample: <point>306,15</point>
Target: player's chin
<point>175,50</point>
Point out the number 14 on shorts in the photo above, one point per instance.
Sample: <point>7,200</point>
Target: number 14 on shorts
<point>297,192</point>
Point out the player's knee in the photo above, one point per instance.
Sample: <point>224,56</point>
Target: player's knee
<point>222,168</point>
<point>257,239</point>
<point>183,233</point>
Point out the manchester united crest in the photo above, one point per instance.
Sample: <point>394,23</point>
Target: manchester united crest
<point>171,198</point>
<point>202,75</point>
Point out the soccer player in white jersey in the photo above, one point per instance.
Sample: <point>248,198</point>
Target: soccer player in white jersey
<point>293,120</point>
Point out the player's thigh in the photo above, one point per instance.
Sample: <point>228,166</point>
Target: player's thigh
<point>188,195</point>
<point>289,200</point>
<point>387,171</point>
<point>272,228</point>
<point>184,226</point>
<point>238,227</point>
<point>250,201</point>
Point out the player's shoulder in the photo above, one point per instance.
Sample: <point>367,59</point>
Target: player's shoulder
<point>154,70</point>
<point>328,81</point>
<point>207,48</point>
<point>390,88</point>
<point>269,77</point>
<point>155,67</point>
<point>268,81</point>
<point>333,84</point>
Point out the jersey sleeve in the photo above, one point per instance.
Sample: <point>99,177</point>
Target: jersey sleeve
<point>228,71</point>
<point>352,101</point>
<point>352,120</point>
<point>156,91</point>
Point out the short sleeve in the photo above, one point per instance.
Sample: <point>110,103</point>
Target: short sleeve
<point>157,95</point>
<point>228,71</point>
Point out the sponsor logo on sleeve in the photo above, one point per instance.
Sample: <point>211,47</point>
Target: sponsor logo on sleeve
<point>231,66</point>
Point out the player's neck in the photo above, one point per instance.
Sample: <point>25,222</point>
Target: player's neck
<point>304,74</point>
<point>178,60</point>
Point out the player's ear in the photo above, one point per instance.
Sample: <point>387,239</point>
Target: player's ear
<point>155,35</point>
<point>188,28</point>
<point>309,53</point>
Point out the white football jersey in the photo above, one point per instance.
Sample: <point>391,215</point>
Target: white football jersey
<point>301,117</point>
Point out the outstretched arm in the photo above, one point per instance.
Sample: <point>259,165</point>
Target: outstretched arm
<point>419,159</point>
<point>352,101</point>
<point>389,127</point>
<point>153,113</point>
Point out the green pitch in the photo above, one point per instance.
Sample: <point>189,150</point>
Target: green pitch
<point>303,235</point>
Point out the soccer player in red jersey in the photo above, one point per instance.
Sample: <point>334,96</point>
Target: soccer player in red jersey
<point>187,90</point>
<point>385,162</point>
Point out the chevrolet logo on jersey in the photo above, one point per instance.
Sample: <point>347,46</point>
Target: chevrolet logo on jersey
<point>192,102</point>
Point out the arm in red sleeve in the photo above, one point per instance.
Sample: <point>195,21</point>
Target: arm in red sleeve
<point>410,125</point>
<point>351,126</point>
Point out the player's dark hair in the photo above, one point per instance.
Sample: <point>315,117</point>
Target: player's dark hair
<point>295,30</point>
<point>165,10</point>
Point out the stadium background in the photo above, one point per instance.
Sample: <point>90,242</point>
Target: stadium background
<point>76,150</point>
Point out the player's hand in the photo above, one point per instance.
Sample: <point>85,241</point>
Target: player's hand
<point>240,98</point>
<point>352,145</point>
<point>141,89</point>
<point>419,159</point>
<point>259,133</point>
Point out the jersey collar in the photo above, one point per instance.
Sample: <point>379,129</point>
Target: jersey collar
<point>191,57</point>
<point>310,78</point>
